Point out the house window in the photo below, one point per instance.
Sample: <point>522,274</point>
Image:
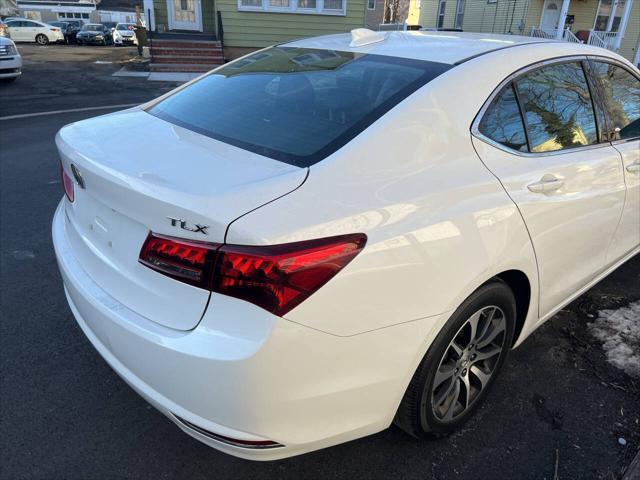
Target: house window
<point>322,7</point>
<point>459,14</point>
<point>442,5</point>
<point>371,4</point>
<point>604,12</point>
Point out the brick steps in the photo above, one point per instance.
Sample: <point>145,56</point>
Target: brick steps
<point>198,52</point>
<point>180,67</point>
<point>188,59</point>
<point>185,55</point>
<point>200,44</point>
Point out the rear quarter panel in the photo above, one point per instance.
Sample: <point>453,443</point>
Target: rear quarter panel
<point>439,224</point>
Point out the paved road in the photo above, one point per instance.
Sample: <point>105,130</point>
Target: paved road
<point>65,414</point>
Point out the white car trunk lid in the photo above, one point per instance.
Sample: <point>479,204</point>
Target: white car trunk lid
<point>141,172</point>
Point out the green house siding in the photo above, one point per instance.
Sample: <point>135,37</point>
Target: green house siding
<point>428,13</point>
<point>261,29</point>
<point>503,16</point>
<point>631,40</point>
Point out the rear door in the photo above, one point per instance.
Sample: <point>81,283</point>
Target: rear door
<point>540,137</point>
<point>31,30</point>
<point>620,94</point>
<point>16,31</point>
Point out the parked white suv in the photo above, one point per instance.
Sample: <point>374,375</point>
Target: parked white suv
<point>337,233</point>
<point>10,60</point>
<point>24,30</point>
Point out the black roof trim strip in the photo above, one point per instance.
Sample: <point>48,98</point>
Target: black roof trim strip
<point>459,62</point>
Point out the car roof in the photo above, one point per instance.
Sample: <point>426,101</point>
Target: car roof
<point>443,47</point>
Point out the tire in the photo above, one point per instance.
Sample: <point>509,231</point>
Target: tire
<point>433,407</point>
<point>42,39</point>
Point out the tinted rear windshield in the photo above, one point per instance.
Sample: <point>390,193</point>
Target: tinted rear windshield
<point>295,105</point>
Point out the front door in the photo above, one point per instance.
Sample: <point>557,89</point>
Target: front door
<point>185,15</point>
<point>550,16</point>
<point>18,32</point>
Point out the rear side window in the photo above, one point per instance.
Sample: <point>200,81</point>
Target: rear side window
<point>502,121</point>
<point>293,104</point>
<point>557,107</point>
<point>621,91</point>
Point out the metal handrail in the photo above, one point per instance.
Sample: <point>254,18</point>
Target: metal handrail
<point>538,32</point>
<point>551,33</point>
<point>569,36</point>
<point>603,39</point>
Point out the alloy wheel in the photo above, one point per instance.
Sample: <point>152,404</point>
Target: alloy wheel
<point>468,363</point>
<point>42,39</point>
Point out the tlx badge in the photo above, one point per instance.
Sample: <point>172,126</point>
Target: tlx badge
<point>177,222</point>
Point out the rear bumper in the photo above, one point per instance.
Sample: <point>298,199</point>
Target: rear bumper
<point>245,374</point>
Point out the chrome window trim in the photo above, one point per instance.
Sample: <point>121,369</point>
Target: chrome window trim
<point>475,131</point>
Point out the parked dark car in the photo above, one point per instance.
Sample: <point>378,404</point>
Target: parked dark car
<point>70,31</point>
<point>111,26</point>
<point>94,34</point>
<point>76,23</point>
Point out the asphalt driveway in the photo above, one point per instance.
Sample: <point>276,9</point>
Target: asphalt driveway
<point>66,414</point>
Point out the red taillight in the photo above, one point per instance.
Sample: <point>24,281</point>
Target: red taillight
<point>276,278</point>
<point>54,29</point>
<point>67,183</point>
<point>186,261</point>
<point>280,277</point>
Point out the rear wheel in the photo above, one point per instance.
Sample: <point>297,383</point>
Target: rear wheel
<point>42,39</point>
<point>461,365</point>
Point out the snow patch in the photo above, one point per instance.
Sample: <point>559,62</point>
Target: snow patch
<point>619,330</point>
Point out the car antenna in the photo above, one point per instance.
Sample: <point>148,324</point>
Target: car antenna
<point>364,36</point>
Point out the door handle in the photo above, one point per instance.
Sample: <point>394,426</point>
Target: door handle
<point>633,168</point>
<point>548,183</point>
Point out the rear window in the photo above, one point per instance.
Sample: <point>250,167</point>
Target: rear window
<point>295,105</point>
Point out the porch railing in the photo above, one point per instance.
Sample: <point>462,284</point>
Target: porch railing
<point>551,33</point>
<point>543,32</point>
<point>569,36</point>
<point>599,38</point>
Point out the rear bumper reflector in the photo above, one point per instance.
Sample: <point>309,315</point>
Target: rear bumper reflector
<point>253,444</point>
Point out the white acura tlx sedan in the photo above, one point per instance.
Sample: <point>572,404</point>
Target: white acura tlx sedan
<point>330,235</point>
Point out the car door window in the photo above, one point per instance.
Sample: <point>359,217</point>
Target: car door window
<point>558,108</point>
<point>621,92</point>
<point>502,121</point>
<point>30,24</point>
